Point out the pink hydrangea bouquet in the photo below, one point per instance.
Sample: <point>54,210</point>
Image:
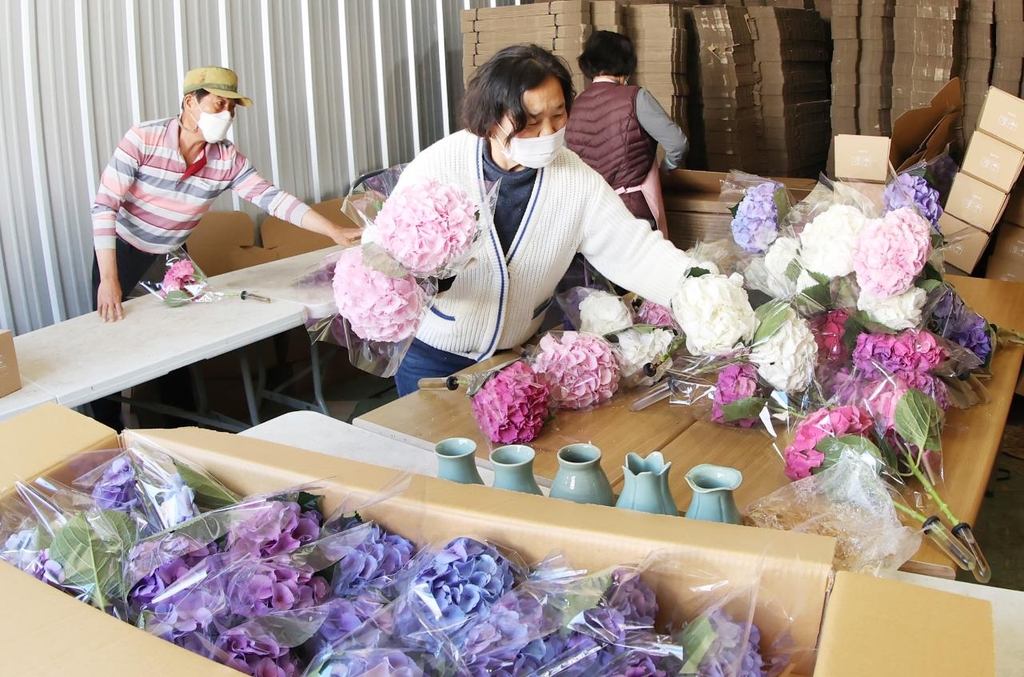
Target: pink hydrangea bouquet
<point>183,282</point>
<point>804,454</point>
<point>378,307</point>
<point>427,226</point>
<point>891,252</point>
<point>512,406</point>
<point>581,369</point>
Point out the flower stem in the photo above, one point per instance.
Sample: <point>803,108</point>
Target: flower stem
<point>928,487</point>
<point>909,512</point>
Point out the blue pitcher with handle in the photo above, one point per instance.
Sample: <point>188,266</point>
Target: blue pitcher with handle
<point>713,499</point>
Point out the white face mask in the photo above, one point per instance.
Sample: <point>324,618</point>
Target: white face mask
<point>214,126</point>
<point>536,152</point>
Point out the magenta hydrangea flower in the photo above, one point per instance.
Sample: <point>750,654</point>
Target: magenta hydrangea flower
<point>511,407</point>
<point>735,382</point>
<point>891,252</point>
<point>581,369</point>
<point>180,274</point>
<point>802,457</point>
<point>656,314</point>
<point>426,226</point>
<point>912,350</point>
<point>379,307</point>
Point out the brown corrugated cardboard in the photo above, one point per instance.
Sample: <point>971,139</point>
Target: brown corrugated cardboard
<point>225,241</point>
<point>10,379</point>
<point>996,163</point>
<point>794,569</point>
<point>964,243</point>
<point>1009,269</point>
<point>1010,242</point>
<point>864,158</point>
<point>924,133</point>
<point>861,609</point>
<point>1003,117</point>
<point>977,203</point>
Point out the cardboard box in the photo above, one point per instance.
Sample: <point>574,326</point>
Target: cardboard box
<point>864,158</point>
<point>225,241</point>
<point>1007,269</point>
<point>1003,117</point>
<point>923,133</point>
<point>794,570</point>
<point>964,243</point>
<point>975,202</point>
<point>10,379</point>
<point>996,163</point>
<point>1010,242</point>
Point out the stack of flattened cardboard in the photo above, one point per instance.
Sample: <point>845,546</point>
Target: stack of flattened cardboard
<point>845,56</point>
<point>928,51</point>
<point>607,15</point>
<point>562,26</point>
<point>726,76</point>
<point>659,36</point>
<point>792,96</point>
<point>977,19</point>
<point>1008,66</point>
<point>991,167</point>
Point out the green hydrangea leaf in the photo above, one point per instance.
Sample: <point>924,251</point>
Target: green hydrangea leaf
<point>90,548</point>
<point>918,420</point>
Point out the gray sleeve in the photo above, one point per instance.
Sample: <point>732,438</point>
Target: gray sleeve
<point>665,131</point>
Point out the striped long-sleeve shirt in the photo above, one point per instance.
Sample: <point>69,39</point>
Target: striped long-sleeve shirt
<point>146,199</point>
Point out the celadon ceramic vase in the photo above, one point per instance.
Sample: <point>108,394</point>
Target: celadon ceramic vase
<point>456,460</point>
<point>513,469</point>
<point>580,477</point>
<point>712,493</point>
<point>646,487</point>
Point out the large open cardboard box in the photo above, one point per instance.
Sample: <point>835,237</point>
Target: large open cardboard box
<point>871,626</point>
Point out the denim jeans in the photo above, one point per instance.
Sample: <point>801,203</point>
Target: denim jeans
<point>423,361</point>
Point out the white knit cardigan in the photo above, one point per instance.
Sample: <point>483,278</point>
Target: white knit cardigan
<point>498,302</point>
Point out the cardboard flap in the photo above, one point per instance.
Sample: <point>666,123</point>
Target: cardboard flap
<point>218,238</point>
<point>43,437</point>
<point>923,133</point>
<point>887,628</point>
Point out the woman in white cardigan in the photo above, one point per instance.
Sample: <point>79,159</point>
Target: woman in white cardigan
<point>550,206</point>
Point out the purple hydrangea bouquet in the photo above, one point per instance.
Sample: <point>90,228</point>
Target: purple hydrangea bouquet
<point>760,207</point>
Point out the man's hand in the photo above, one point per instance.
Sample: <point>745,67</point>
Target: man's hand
<point>346,237</point>
<point>108,301</point>
<point>318,223</point>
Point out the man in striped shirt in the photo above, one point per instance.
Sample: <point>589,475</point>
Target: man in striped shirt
<point>165,174</point>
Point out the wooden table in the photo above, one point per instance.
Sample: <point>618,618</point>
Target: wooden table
<point>424,418</point>
<point>970,442</point>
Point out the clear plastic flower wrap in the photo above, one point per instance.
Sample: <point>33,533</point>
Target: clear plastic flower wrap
<point>848,501</point>
<point>760,207</point>
<point>415,232</point>
<point>182,282</point>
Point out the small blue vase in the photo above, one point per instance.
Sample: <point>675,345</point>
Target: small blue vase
<point>712,493</point>
<point>513,469</point>
<point>580,477</point>
<point>456,460</point>
<point>646,485</point>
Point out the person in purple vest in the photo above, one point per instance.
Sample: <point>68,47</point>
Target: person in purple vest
<point>616,128</point>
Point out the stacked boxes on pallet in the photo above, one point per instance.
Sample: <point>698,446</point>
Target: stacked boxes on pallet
<point>607,15</point>
<point>862,60</point>
<point>977,21</point>
<point>928,51</point>
<point>791,98</point>
<point>561,26</point>
<point>659,36</point>
<point>727,77</point>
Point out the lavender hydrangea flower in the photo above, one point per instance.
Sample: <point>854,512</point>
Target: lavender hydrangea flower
<point>372,564</point>
<point>953,320</point>
<point>632,597</point>
<point>910,190</point>
<point>639,664</point>
<point>116,489</point>
<point>254,653</point>
<point>273,528</point>
<point>508,626</point>
<point>756,223</point>
<point>390,662</point>
<point>735,651</point>
<point>257,588</point>
<point>163,576</point>
<point>345,616</point>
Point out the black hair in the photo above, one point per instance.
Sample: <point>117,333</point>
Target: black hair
<point>199,94</point>
<point>608,53</point>
<point>497,89</point>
